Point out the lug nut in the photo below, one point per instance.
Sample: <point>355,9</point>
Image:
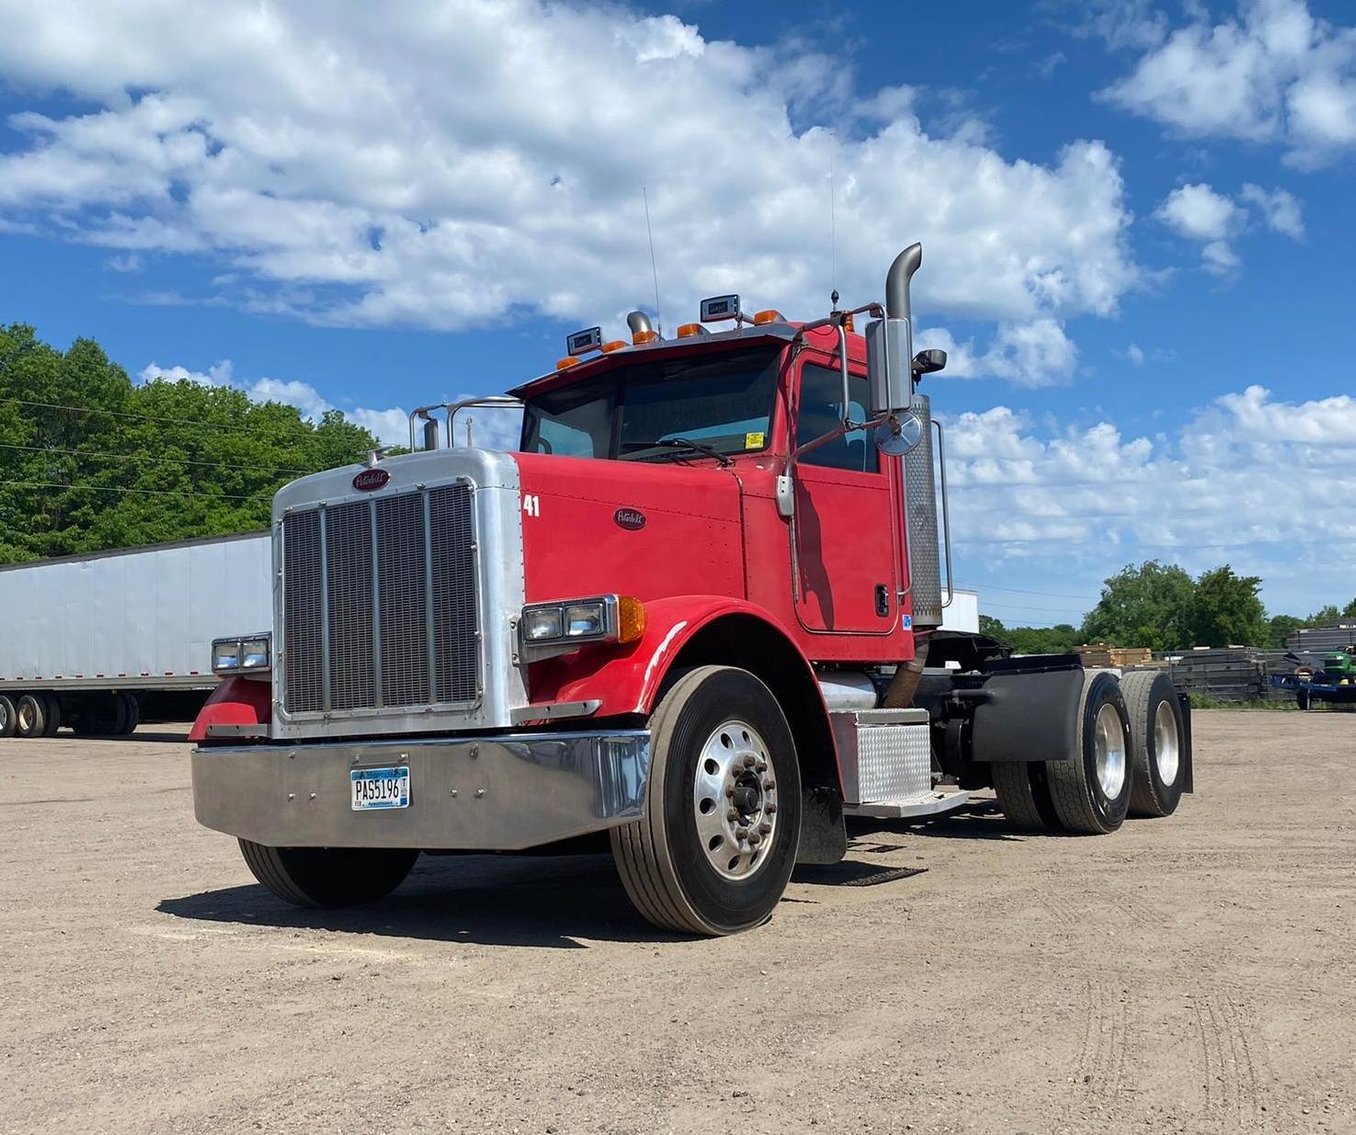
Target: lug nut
<point>764,828</point>
<point>742,833</point>
<point>771,809</point>
<point>755,839</point>
<point>762,766</point>
<point>732,816</point>
<point>729,792</point>
<point>769,784</point>
<point>749,761</point>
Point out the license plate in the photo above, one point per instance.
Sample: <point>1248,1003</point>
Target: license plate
<point>375,788</point>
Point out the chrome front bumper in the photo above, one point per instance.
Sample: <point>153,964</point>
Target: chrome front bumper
<point>500,793</point>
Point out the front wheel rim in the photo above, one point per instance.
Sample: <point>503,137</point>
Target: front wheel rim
<point>734,800</point>
<point>1109,751</point>
<point>1167,743</point>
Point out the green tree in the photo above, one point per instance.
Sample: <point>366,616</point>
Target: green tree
<point>1278,626</point>
<point>1225,610</point>
<point>993,628</point>
<point>93,461</point>
<point>1149,605</point>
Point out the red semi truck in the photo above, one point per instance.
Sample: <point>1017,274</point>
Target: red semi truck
<point>698,611</point>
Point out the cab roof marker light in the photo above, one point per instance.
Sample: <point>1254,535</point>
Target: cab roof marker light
<point>692,330</point>
<point>581,342</point>
<point>566,362</point>
<point>717,308</point>
<point>640,338</point>
<point>770,315</point>
<point>613,345</point>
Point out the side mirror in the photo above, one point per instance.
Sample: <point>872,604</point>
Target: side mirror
<point>928,362</point>
<point>889,344</point>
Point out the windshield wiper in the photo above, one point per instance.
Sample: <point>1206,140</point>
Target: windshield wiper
<point>679,443</point>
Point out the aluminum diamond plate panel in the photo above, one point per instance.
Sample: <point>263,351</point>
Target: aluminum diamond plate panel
<point>894,762</point>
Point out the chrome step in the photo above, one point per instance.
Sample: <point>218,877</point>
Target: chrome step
<point>928,804</point>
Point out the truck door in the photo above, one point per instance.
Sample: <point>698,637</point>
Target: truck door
<point>846,559</point>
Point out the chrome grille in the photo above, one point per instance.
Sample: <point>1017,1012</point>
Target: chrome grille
<point>379,603</point>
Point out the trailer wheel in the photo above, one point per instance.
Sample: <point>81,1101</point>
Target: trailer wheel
<point>722,822</point>
<point>30,716</point>
<point>52,711</point>
<point>7,721</point>
<point>1024,795</point>
<point>328,876</point>
<point>1091,791</point>
<point>130,717</point>
<point>1157,762</point>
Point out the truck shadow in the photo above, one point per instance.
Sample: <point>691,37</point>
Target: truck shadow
<point>980,820</point>
<point>493,901</point>
<point>482,899</point>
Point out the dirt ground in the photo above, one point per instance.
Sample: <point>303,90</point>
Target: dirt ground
<point>1189,974</point>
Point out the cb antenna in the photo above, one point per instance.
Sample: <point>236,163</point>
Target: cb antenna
<point>654,269</point>
<point>833,219</point>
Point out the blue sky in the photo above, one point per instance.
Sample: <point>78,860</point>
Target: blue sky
<point>1135,217</point>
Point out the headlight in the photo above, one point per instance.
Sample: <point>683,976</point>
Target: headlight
<point>585,620</point>
<point>552,628</point>
<point>233,655</point>
<point>542,624</point>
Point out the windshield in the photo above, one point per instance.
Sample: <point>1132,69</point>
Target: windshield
<point>660,411</point>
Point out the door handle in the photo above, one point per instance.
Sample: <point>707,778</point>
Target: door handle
<point>883,600</point>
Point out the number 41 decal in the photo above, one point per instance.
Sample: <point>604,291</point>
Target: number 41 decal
<point>532,504</point>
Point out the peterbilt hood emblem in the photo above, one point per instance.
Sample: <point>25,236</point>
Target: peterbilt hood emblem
<point>370,479</point>
<point>631,519</point>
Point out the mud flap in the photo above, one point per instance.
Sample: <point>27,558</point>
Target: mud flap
<point>823,836</point>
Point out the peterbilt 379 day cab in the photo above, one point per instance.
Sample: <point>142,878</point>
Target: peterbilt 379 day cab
<point>697,610</point>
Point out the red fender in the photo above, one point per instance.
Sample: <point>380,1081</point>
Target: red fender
<point>626,679</point>
<point>236,701</point>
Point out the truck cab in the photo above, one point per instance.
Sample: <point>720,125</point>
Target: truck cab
<point>693,611</point>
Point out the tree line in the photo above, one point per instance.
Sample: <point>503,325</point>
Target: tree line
<point>1161,607</point>
<point>93,461</point>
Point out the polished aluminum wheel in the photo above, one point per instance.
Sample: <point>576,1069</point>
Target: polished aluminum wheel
<point>734,800</point>
<point>1167,743</point>
<point>1109,745</point>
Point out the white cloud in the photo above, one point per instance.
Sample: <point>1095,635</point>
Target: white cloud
<point>1199,213</point>
<point>444,165</point>
<point>1274,73</point>
<point>1033,354</point>
<point>1280,209</point>
<point>1226,486</point>
<point>391,427</point>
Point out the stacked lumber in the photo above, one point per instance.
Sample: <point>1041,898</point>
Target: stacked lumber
<point>1100,654</point>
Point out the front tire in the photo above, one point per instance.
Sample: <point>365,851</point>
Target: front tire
<point>1091,791</point>
<point>718,842</point>
<point>1158,760</point>
<point>328,876</point>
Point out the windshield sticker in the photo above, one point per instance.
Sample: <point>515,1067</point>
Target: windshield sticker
<point>753,441</point>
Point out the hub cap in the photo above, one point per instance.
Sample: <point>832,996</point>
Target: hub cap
<point>1167,746</point>
<point>1109,749</point>
<point>734,800</point>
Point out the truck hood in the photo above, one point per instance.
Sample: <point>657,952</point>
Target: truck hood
<point>633,528</point>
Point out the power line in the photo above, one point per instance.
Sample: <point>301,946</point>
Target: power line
<point>131,414</point>
<point>1046,594</point>
<point>135,457</point>
<point>143,491</point>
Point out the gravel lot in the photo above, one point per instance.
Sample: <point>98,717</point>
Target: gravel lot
<point>1189,974</point>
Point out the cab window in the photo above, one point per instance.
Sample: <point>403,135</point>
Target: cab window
<point>821,410</point>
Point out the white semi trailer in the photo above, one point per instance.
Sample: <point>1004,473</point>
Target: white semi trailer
<point>89,642</point>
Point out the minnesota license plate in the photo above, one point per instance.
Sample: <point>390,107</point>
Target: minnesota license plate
<point>375,788</point>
